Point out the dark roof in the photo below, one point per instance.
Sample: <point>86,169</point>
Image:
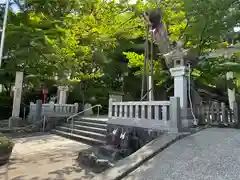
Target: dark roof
<point>208,92</point>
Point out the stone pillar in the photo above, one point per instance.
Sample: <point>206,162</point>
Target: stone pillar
<point>231,92</point>
<point>175,119</point>
<point>88,111</point>
<point>180,84</point>
<point>180,75</point>
<point>38,110</point>
<point>62,96</point>
<point>13,121</point>
<point>76,108</point>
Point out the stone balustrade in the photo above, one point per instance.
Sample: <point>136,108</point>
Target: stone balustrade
<point>215,113</point>
<point>56,110</point>
<point>157,115</point>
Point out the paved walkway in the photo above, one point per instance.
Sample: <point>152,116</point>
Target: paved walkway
<point>45,157</point>
<point>212,154</point>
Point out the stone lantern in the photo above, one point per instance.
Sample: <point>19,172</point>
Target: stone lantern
<point>180,74</point>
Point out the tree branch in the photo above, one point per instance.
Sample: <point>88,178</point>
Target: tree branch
<point>184,30</point>
<point>202,40</point>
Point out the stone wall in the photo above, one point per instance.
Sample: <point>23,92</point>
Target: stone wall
<point>144,135</point>
<point>50,123</point>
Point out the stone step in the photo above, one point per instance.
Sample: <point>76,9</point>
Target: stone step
<point>92,120</point>
<point>89,134</point>
<point>101,130</point>
<point>84,139</point>
<point>90,124</point>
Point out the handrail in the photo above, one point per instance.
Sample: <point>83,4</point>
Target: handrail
<point>71,117</point>
<point>97,105</point>
<point>148,91</point>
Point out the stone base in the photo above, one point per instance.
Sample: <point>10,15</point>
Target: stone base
<point>145,135</point>
<point>120,144</point>
<point>51,122</point>
<point>92,159</point>
<point>14,122</point>
<point>187,123</point>
<point>187,119</point>
<point>113,154</point>
<point>107,150</point>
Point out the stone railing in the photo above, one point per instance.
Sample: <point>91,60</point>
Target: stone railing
<point>215,113</point>
<point>52,109</point>
<point>158,115</point>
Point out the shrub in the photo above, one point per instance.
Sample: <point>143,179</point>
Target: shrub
<point>6,145</point>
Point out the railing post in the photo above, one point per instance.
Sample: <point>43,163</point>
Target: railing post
<point>98,111</point>
<point>203,112</point>
<point>236,112</point>
<point>72,125</point>
<point>120,111</point>
<point>115,110</point>
<point>149,112</point>
<point>51,105</point>
<point>164,113</point>
<point>76,108</point>
<point>142,111</point>
<point>223,109</point>
<point>38,110</point>
<point>125,111</point>
<point>110,108</point>
<point>230,120</point>
<point>156,112</point>
<point>212,113</point>
<point>136,111</point>
<point>208,113</point>
<point>64,108</point>
<point>31,108</point>
<point>131,111</point>
<point>218,118</point>
<point>44,123</point>
<point>175,121</point>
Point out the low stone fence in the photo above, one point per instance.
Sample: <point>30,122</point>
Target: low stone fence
<point>55,110</point>
<point>151,115</point>
<point>215,113</point>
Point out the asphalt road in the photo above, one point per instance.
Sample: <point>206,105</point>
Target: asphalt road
<point>211,154</point>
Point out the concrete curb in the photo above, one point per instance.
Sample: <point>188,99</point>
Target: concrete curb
<point>132,162</point>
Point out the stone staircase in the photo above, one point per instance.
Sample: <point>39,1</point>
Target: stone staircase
<point>89,130</point>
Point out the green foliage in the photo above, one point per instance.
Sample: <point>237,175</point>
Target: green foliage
<point>6,145</point>
<point>82,42</point>
<point>135,61</point>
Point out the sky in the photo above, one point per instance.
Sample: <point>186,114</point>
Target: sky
<point>237,29</point>
<point>14,7</point>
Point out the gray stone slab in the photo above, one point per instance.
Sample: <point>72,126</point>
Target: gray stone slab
<point>130,163</point>
<point>45,157</point>
<point>212,154</point>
